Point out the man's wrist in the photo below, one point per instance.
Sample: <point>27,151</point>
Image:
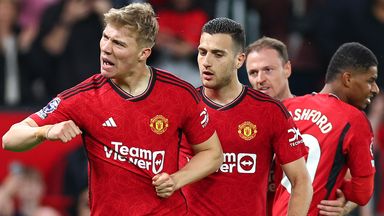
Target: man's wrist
<point>42,132</point>
<point>348,207</point>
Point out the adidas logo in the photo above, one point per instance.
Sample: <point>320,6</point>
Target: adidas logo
<point>110,123</point>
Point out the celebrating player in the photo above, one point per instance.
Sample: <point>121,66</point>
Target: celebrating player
<point>130,117</point>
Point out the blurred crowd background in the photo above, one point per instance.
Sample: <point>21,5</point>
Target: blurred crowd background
<point>47,46</point>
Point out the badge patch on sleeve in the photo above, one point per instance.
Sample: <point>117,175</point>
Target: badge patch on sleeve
<point>51,106</point>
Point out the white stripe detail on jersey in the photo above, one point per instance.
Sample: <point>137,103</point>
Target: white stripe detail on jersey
<point>110,123</point>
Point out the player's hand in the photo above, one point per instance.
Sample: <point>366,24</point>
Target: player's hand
<point>333,207</point>
<point>63,131</point>
<point>164,185</point>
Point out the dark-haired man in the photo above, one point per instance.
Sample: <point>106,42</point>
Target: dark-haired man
<point>251,126</point>
<point>336,131</point>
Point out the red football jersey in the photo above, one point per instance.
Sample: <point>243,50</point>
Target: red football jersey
<point>251,129</point>
<point>338,136</point>
<point>130,139</point>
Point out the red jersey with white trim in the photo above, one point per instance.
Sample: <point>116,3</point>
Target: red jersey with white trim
<point>251,129</point>
<point>130,139</point>
<point>338,136</point>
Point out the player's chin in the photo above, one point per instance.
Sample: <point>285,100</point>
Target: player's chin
<point>362,106</point>
<point>106,74</point>
<point>208,83</point>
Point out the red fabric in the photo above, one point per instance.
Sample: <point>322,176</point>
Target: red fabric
<point>251,129</point>
<point>338,136</point>
<point>184,25</point>
<point>129,139</point>
<point>358,189</point>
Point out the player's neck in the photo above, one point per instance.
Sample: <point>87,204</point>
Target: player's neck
<point>287,94</point>
<point>136,82</point>
<point>333,90</point>
<point>225,94</point>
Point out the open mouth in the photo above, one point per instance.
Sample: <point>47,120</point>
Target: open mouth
<point>107,62</point>
<point>263,88</point>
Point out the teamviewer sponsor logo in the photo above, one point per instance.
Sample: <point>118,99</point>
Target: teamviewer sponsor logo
<point>246,163</point>
<point>142,158</point>
<point>241,162</point>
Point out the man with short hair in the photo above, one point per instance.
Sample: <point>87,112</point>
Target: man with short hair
<point>251,126</point>
<point>268,70</point>
<point>131,117</point>
<point>336,131</point>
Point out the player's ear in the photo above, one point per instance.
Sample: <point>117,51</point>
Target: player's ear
<point>240,60</point>
<point>144,53</point>
<point>346,78</point>
<point>287,69</point>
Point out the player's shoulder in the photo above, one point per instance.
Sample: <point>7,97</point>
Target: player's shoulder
<point>173,82</point>
<point>266,100</point>
<point>299,99</point>
<point>350,113</point>
<point>92,83</point>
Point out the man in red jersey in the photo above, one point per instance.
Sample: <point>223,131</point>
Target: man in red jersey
<point>131,117</point>
<point>337,132</point>
<point>268,69</point>
<point>252,127</point>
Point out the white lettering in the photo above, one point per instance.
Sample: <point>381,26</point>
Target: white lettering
<point>314,116</point>
<point>229,157</point>
<point>297,115</point>
<point>142,158</point>
<point>305,116</point>
<point>242,162</point>
<point>227,168</point>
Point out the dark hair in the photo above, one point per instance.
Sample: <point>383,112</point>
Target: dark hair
<point>223,25</point>
<point>352,56</point>
<point>269,43</point>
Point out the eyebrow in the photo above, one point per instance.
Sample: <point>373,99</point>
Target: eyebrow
<point>218,51</point>
<point>115,40</point>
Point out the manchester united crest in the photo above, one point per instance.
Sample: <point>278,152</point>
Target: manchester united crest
<point>247,130</point>
<point>159,124</point>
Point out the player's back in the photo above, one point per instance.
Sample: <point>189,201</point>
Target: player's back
<point>332,130</point>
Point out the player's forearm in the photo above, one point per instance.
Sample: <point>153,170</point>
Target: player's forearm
<point>301,197</point>
<point>201,165</point>
<point>22,137</point>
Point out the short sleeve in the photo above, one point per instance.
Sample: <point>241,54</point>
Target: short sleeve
<point>198,127</point>
<point>288,143</point>
<point>53,112</point>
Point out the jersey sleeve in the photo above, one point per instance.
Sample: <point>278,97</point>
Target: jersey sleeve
<point>359,147</point>
<point>53,112</point>
<point>288,143</point>
<point>197,125</point>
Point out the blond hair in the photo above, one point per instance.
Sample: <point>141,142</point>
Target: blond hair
<point>137,17</point>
